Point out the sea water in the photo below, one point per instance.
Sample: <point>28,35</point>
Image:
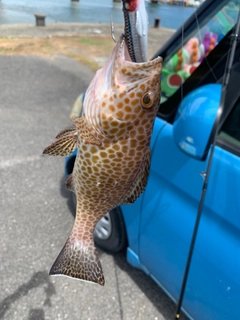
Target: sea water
<point>92,11</point>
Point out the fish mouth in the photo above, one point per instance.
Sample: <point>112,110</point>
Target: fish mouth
<point>123,50</point>
<point>119,59</point>
<point>119,55</point>
<point>120,74</point>
<point>122,53</point>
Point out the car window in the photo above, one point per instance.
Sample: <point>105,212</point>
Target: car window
<point>229,136</point>
<point>178,67</point>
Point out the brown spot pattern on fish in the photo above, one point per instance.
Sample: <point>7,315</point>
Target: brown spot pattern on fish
<point>113,159</point>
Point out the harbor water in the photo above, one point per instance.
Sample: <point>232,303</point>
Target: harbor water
<point>92,11</point>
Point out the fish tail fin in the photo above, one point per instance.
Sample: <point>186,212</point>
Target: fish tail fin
<point>79,259</point>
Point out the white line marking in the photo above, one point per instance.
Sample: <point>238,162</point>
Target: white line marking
<point>15,161</point>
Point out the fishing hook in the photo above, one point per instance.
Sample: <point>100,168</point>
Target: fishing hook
<point>112,30</point>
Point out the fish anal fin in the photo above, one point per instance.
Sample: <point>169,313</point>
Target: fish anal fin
<point>79,259</point>
<point>140,182</point>
<point>63,146</point>
<point>69,182</point>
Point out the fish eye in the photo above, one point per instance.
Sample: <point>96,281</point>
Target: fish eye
<point>147,100</point>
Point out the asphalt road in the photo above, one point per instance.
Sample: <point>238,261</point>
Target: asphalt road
<point>35,214</point>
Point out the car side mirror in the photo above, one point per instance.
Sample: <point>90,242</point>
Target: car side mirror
<point>194,121</point>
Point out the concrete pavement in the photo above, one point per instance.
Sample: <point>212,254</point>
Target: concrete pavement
<point>35,212</point>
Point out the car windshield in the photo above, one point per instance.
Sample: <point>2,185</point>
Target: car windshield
<point>179,66</point>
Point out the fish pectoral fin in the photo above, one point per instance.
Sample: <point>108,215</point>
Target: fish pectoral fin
<point>69,182</point>
<point>87,132</point>
<point>67,131</point>
<point>63,146</point>
<point>139,183</point>
<point>79,259</point>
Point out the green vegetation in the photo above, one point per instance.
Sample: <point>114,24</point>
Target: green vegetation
<point>87,50</point>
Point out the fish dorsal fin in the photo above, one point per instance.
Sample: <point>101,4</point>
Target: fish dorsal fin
<point>65,132</point>
<point>87,131</point>
<point>69,182</point>
<point>139,184</point>
<point>63,146</point>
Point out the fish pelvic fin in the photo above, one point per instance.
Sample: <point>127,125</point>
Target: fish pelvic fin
<point>69,182</point>
<point>63,146</point>
<point>79,259</point>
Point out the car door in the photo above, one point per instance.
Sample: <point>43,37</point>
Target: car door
<point>168,212</point>
<point>170,203</point>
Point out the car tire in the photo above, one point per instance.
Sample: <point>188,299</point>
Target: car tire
<point>110,233</point>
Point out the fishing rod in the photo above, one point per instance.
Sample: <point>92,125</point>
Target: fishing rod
<point>217,125</point>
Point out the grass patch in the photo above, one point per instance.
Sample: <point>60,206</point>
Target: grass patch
<point>92,41</point>
<point>83,49</point>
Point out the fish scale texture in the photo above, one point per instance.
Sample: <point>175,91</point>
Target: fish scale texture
<point>113,159</point>
<point>84,260</point>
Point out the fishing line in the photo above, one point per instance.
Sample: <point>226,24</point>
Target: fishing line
<point>182,49</point>
<point>200,38</point>
<point>217,125</point>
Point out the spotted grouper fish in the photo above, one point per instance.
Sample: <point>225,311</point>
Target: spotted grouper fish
<point>113,159</point>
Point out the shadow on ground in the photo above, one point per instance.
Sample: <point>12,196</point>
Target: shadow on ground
<point>40,278</point>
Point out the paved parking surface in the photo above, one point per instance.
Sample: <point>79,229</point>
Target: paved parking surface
<point>35,211</point>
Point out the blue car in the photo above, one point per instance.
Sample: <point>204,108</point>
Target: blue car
<point>157,230</point>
